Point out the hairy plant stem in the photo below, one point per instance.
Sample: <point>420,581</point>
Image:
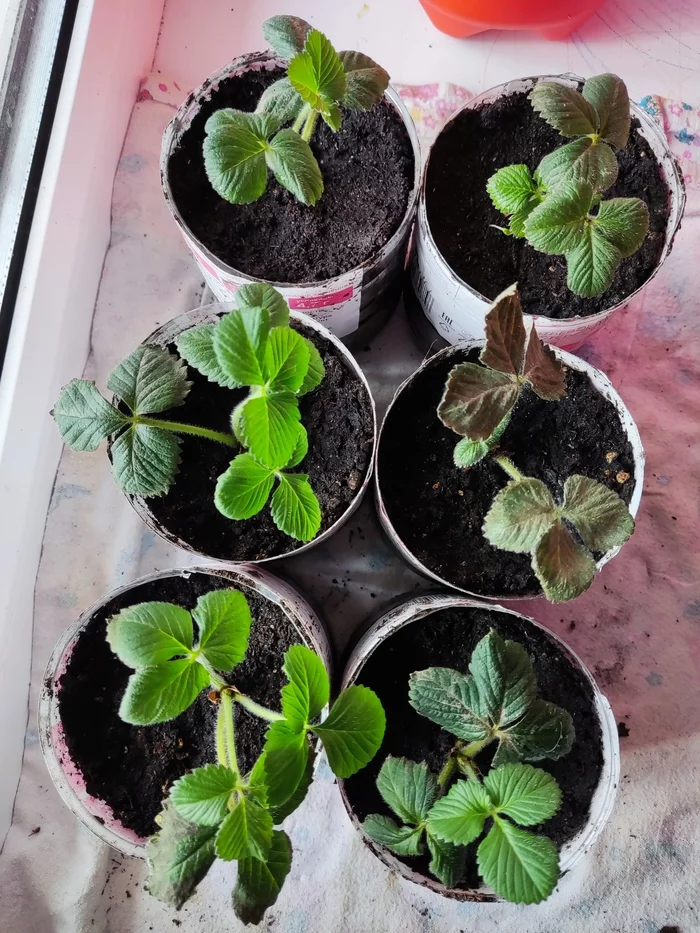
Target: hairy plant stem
<point>299,122</point>
<point>226,712</point>
<point>448,770</point>
<point>309,126</point>
<point>179,428</point>
<point>509,467</point>
<point>257,709</point>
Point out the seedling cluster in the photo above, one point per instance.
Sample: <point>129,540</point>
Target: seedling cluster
<point>496,702</point>
<point>559,208</point>
<point>240,147</point>
<point>251,347</point>
<point>477,403</point>
<point>217,811</point>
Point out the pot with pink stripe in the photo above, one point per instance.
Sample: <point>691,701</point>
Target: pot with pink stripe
<point>444,309</point>
<point>353,305</point>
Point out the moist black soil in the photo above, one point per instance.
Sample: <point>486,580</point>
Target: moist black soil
<point>447,639</point>
<point>338,419</point>
<point>367,169</point>
<point>438,510</point>
<point>479,142</point>
<point>132,767</point>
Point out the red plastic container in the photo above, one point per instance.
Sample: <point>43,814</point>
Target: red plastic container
<point>553,19</point>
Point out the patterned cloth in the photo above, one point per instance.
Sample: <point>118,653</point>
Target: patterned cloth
<point>638,628</point>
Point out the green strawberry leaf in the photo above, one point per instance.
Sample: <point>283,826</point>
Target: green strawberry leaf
<point>259,882</point>
<point>403,840</point>
<point>269,427</point>
<point>608,95</point>
<point>317,75</point>
<point>545,731</point>
<point>598,514</point>
<point>202,796</point>
<point>224,621</point>
<point>301,449</point>
<point>286,759</point>
<point>150,380</point>
<point>512,188</point>
<point>468,453</point>
<point>408,788</point>
<point>150,633</point>
<point>279,814</point>
<point>564,108</point>
<point>459,816</point>
<point>196,346</point>
<point>527,795</point>
<point>564,568</point>
<point>286,360</point>
<point>582,159</point>
<point>286,34</point>
<point>295,508</point>
<point>450,699</point>
<point>624,222</point>
<point>159,693</point>
<point>520,515</point>
<point>590,267</point>
<point>235,146</point>
<point>308,690</point>
<point>315,373</point>
<point>558,225</point>
<point>280,101</point>
<point>521,867</point>
<point>246,832</point>
<point>145,460</point>
<point>504,678</point>
<point>179,855</point>
<point>259,295</point>
<point>366,81</point>
<point>244,488</point>
<point>447,861</point>
<point>353,730</point>
<point>84,417</point>
<point>240,341</point>
<point>294,166</point>
<point>476,400</point>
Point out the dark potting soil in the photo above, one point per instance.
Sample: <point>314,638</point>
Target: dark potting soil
<point>460,213</point>
<point>338,419</point>
<point>438,510</point>
<point>368,173</point>
<point>132,767</point>
<point>447,639</point>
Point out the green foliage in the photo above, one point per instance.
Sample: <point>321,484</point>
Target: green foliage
<point>478,399</point>
<point>156,640</point>
<point>253,347</point>
<point>496,702</point>
<point>525,518</point>
<point>555,209</point>
<point>518,865</point>
<point>215,811</point>
<point>144,457</point>
<point>260,881</point>
<point>241,147</point>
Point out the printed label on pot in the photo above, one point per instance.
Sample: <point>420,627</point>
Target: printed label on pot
<point>335,304</point>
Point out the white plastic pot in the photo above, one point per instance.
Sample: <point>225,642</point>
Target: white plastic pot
<point>455,311</point>
<point>210,314</point>
<point>65,774</point>
<point>601,383</point>
<point>604,797</point>
<point>353,305</point>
